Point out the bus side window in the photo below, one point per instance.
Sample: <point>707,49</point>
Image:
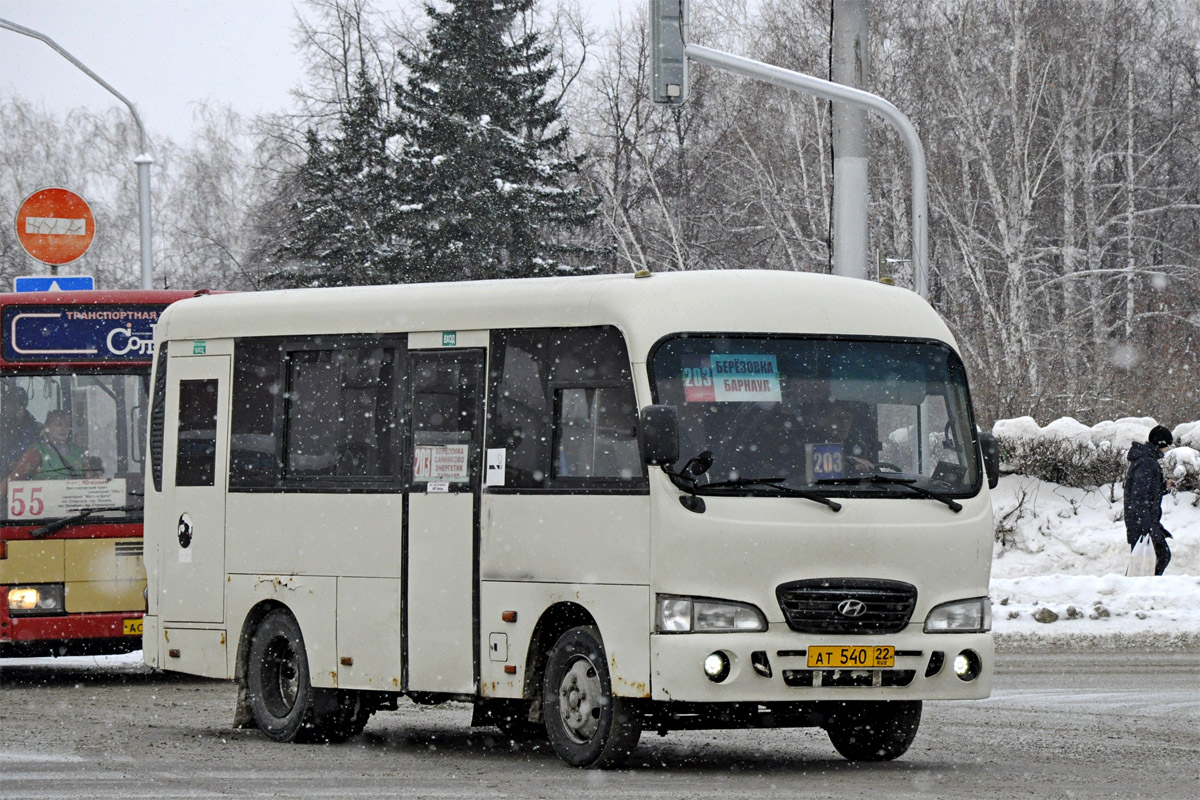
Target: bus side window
<point>158,416</point>
<point>196,452</point>
<point>340,413</point>
<point>597,433</point>
<point>563,407</point>
<point>255,423</point>
<point>521,417</point>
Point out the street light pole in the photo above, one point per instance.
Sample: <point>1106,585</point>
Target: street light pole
<point>143,160</point>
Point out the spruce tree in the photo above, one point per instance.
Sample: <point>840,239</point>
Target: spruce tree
<point>342,226</point>
<point>482,165</point>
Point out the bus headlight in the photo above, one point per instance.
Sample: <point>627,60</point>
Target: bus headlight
<point>700,615</point>
<point>961,616</point>
<point>43,598</point>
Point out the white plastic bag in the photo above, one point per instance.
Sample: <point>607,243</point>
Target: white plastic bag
<point>1141,558</point>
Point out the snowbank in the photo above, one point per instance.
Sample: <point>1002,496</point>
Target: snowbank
<point>1058,570</point>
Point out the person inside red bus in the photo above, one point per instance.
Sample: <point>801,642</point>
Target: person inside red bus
<point>18,428</point>
<point>55,457</point>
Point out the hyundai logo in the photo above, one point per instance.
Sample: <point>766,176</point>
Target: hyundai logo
<point>852,608</point>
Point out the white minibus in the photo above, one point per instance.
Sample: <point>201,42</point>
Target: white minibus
<point>588,506</point>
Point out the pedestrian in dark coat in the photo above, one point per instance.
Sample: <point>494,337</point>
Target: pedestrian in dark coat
<point>1144,490</point>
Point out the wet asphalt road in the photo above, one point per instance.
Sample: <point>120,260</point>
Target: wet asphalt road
<point>1088,724</point>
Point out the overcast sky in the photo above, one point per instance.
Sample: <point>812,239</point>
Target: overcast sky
<point>165,56</point>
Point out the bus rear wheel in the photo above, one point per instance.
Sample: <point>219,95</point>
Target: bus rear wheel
<point>283,701</point>
<point>874,731</point>
<point>586,724</point>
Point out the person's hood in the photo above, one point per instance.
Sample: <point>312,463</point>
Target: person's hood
<point>1143,450</point>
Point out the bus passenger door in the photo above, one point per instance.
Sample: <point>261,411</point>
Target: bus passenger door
<point>441,553</point>
<point>195,453</point>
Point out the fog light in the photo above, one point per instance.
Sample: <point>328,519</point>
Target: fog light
<point>967,665</point>
<point>716,666</point>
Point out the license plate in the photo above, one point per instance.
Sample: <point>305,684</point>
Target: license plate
<point>852,657</point>
<point>131,627</point>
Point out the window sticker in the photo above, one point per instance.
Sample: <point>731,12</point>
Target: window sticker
<point>441,462</point>
<point>495,467</point>
<point>740,378</point>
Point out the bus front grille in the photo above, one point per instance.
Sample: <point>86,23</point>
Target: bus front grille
<point>847,605</point>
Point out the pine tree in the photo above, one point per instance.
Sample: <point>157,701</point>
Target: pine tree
<point>482,166</point>
<point>342,227</point>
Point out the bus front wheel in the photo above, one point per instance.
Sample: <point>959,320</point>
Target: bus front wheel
<point>874,731</point>
<point>586,724</point>
<point>283,701</point>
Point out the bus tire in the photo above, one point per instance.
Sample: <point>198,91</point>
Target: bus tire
<point>874,731</point>
<point>587,726</point>
<point>283,702</point>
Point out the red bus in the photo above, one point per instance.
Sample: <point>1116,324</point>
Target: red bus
<point>74,382</point>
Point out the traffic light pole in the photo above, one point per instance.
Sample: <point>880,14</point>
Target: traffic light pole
<point>143,160</point>
<point>847,94</point>
<point>670,52</point>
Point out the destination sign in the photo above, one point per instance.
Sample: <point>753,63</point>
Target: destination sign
<point>79,333</point>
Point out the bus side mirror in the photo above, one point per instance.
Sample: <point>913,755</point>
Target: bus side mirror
<point>991,458</point>
<point>660,435</point>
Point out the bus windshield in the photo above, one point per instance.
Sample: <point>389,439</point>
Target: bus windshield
<point>72,441</point>
<point>834,415</point>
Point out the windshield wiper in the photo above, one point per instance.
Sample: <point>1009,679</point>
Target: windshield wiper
<point>774,483</point>
<point>83,513</point>
<point>908,483</point>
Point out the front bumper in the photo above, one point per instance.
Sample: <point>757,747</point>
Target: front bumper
<point>676,663</point>
<point>69,634</point>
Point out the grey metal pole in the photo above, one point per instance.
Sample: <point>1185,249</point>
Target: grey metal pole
<point>848,63</point>
<point>143,160</point>
<point>846,94</point>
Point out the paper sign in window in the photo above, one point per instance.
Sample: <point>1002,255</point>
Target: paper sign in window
<point>59,498</point>
<point>441,462</point>
<point>733,378</point>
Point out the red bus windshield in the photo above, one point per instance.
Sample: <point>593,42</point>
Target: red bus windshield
<point>72,440</point>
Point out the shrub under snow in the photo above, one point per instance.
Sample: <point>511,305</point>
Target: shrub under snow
<point>1069,453</point>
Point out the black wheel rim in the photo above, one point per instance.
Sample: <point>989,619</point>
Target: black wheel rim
<point>281,676</point>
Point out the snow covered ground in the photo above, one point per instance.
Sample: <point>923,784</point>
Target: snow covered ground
<point>1058,573</point>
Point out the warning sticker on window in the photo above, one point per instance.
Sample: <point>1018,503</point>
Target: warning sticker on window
<point>741,378</point>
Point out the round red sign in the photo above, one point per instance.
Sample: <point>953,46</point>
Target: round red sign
<point>55,226</point>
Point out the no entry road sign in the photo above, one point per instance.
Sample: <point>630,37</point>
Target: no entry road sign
<point>55,226</point>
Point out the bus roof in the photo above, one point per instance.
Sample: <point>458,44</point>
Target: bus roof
<point>101,297</point>
<point>644,309</point>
